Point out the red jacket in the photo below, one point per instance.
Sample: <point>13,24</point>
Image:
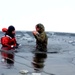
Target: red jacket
<point>8,43</point>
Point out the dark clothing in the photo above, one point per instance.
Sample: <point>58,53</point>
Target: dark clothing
<point>41,39</point>
<point>38,61</point>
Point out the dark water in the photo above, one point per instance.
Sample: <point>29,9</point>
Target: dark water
<point>59,60</point>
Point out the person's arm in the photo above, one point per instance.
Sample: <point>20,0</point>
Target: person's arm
<point>40,37</point>
<point>15,44</point>
<point>4,42</point>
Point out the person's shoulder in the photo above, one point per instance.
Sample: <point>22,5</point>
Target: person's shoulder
<point>43,33</point>
<point>5,37</point>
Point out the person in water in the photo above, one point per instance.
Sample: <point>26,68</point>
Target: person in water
<point>8,42</point>
<point>41,37</point>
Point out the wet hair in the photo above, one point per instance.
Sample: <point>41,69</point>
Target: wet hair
<point>41,26</point>
<point>11,28</point>
<point>9,31</point>
<point>38,25</point>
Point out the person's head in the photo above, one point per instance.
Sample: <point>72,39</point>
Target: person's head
<point>11,31</point>
<point>39,27</point>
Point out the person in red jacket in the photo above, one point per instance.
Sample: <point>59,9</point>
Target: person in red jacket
<point>8,42</point>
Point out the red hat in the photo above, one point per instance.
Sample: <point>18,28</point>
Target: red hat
<point>4,29</point>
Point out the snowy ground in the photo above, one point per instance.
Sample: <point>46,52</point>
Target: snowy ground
<point>60,56</point>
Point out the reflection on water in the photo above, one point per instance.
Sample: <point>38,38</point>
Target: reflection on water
<point>7,58</point>
<point>38,61</point>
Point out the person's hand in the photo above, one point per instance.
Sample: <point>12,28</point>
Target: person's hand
<point>12,46</point>
<point>35,32</point>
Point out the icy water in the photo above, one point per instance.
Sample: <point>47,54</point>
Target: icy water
<point>59,60</point>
